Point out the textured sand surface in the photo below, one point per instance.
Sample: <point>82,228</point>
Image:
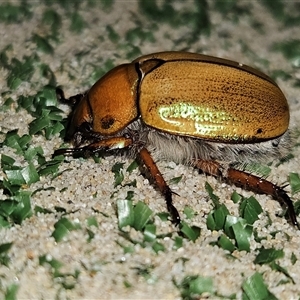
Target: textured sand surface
<point>113,35</point>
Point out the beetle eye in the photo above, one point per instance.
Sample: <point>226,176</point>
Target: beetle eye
<point>85,127</point>
<point>107,122</point>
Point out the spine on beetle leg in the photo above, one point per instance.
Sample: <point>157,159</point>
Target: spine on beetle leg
<point>261,186</point>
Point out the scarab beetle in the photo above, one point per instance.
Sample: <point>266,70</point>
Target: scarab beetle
<point>208,112</point>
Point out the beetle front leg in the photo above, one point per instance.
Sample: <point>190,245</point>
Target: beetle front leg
<point>161,183</point>
<point>250,182</point>
<point>108,144</point>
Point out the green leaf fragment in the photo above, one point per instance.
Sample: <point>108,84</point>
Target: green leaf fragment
<point>39,124</point>
<point>47,259</point>
<point>119,176</point>
<point>158,247</point>
<point>92,221</point>
<point>7,207</point>
<point>22,209</point>
<point>189,212</point>
<point>255,288</point>
<point>142,214</point>
<point>53,19</point>
<point>90,234</point>
<point>190,232</point>
<point>15,177</point>
<point>14,141</point>
<point>134,165</point>
<point>4,249</point>
<point>41,210</point>
<point>212,196</point>
<point>125,213</point>
<point>235,197</point>
<point>6,161</point>
<point>50,167</point>
<point>276,267</point>
<point>20,71</point>
<point>42,44</point>
<point>216,219</point>
<point>164,216</point>
<point>31,152</point>
<point>3,221</point>
<point>220,215</point>
<point>225,243</point>
<point>135,216</point>
<point>20,176</point>
<point>30,174</point>
<point>62,228</point>
<point>130,195</point>
<point>175,180</point>
<point>67,280</point>
<point>8,103</point>
<point>150,233</point>
<point>294,180</point>
<point>293,258</point>
<point>242,234</point>
<point>178,242</point>
<point>250,209</point>
<point>268,255</point>
<point>290,49</point>
<point>11,292</point>
<point>201,285</point>
<point>230,220</point>
<point>112,34</point>
<point>77,23</point>
<point>10,13</point>
<point>192,286</point>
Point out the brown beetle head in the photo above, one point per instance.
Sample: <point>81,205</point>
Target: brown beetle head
<point>108,107</point>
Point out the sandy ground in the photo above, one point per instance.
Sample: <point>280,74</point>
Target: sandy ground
<point>113,35</point>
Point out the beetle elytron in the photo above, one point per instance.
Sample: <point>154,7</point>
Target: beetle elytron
<point>189,108</point>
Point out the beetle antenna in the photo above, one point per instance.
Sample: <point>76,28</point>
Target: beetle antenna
<point>60,95</point>
<point>70,101</point>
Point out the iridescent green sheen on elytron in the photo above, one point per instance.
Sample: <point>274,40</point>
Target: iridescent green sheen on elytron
<point>204,120</point>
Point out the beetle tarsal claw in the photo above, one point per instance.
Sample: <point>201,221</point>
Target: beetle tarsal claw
<point>171,208</point>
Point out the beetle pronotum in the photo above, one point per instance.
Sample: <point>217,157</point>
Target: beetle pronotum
<point>204,111</point>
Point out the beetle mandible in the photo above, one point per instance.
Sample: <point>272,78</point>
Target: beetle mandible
<point>200,110</point>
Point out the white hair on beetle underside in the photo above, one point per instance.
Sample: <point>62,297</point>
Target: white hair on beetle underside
<point>183,149</point>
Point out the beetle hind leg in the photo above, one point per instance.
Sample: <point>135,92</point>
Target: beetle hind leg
<point>263,186</point>
<point>249,182</point>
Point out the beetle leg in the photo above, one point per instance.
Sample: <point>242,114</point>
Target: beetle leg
<point>108,144</point>
<point>262,186</point>
<point>161,183</point>
<point>250,182</point>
